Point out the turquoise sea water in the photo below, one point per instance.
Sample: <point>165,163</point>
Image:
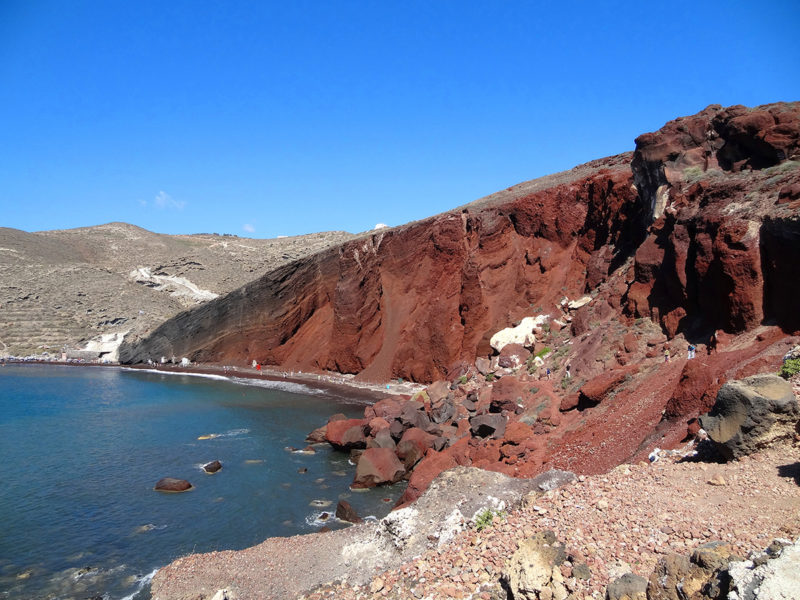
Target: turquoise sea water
<point>82,448</point>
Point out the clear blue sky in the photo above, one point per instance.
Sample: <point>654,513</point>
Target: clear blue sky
<point>281,118</point>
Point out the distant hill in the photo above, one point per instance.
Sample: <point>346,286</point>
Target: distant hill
<point>64,288</point>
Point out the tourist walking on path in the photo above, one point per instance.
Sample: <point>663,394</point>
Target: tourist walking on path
<point>568,375</point>
<point>666,355</point>
<point>690,352</point>
<point>712,344</point>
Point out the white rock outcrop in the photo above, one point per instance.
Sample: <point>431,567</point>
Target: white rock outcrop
<point>521,334</point>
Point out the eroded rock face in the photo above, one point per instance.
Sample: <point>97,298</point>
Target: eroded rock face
<point>751,413</point>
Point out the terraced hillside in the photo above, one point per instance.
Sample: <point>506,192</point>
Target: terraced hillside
<point>65,288</point>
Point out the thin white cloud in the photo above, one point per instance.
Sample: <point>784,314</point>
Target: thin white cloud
<point>380,226</point>
<point>248,228</point>
<point>163,201</point>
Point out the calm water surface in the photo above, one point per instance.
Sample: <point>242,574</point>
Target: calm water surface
<point>82,448</point>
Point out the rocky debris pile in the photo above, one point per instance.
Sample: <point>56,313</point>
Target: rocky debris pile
<point>657,530</point>
<point>441,427</point>
<point>519,422</point>
<point>751,413</point>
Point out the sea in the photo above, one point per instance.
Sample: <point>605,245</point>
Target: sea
<point>81,449</point>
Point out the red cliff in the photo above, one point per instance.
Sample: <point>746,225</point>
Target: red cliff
<point>697,230</point>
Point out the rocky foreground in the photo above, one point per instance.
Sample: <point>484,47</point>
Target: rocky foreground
<point>630,520</point>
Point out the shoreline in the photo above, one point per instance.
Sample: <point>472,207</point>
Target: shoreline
<point>335,385</point>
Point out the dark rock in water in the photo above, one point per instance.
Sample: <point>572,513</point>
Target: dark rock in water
<point>170,484</point>
<point>345,512</point>
<point>212,467</point>
<point>750,414</point>
<point>302,470</point>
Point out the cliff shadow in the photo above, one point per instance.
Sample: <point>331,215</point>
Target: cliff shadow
<point>790,470</point>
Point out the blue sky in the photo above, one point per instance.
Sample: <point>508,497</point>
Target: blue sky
<point>282,118</point>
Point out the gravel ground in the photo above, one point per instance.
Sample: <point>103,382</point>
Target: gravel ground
<point>632,515</point>
<point>623,520</point>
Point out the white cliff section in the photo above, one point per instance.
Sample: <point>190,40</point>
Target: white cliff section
<point>521,334</point>
<point>180,287</point>
<point>107,345</point>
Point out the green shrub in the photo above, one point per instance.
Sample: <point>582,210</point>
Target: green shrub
<point>486,516</point>
<point>543,351</point>
<point>693,174</point>
<point>462,380</point>
<point>790,368</point>
<point>490,377</point>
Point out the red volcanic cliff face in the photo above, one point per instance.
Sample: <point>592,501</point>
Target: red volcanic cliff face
<point>697,230</point>
<point>414,301</point>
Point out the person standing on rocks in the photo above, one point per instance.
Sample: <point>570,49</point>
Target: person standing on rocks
<point>568,374</point>
<point>690,352</point>
<point>666,355</point>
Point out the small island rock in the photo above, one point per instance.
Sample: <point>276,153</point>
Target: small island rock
<point>212,467</point>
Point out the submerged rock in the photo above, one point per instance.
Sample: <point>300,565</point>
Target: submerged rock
<point>170,484</point>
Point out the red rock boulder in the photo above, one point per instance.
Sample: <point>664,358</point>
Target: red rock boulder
<point>377,466</point>
<point>597,389</point>
<point>347,434</point>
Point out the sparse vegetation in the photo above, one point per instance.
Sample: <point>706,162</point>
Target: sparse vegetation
<point>462,380</point>
<point>486,517</point>
<point>490,377</point>
<point>790,368</point>
<point>541,353</point>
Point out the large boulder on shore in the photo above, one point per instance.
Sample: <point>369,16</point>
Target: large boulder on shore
<point>346,434</point>
<point>170,484</point>
<point>750,414</point>
<point>377,466</point>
